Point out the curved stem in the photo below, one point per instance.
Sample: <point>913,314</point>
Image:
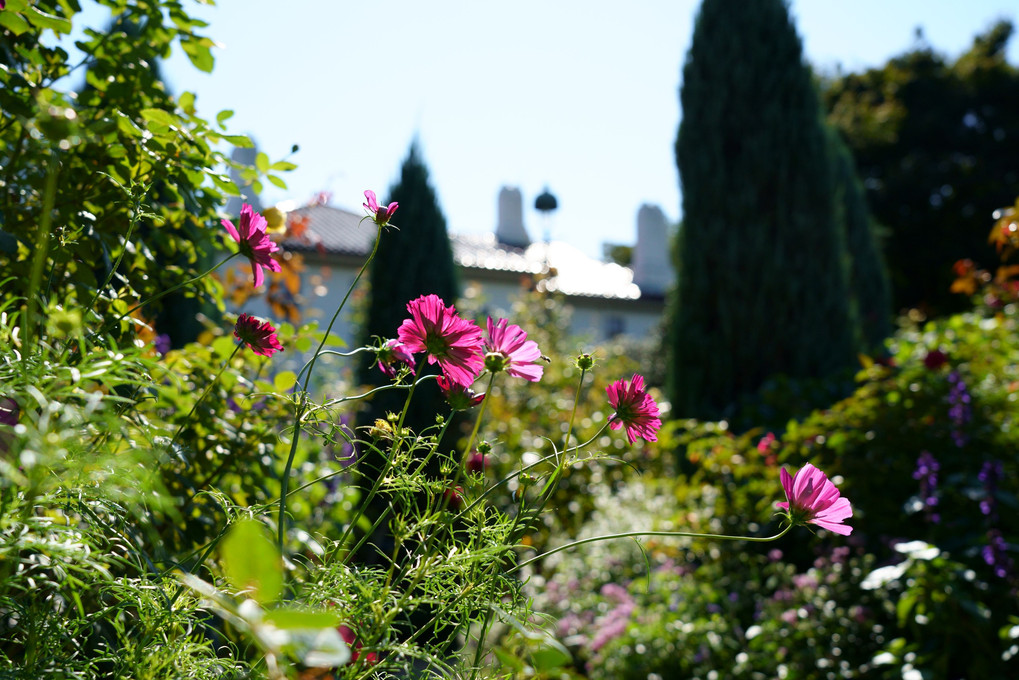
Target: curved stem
<point>477,421</point>
<point>631,534</point>
<point>303,402</point>
<point>166,292</point>
<point>136,199</point>
<point>208,389</point>
<point>573,413</point>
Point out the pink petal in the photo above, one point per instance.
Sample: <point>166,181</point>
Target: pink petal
<point>256,269</point>
<point>230,229</point>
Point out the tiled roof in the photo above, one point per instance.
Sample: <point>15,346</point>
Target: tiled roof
<point>336,231</point>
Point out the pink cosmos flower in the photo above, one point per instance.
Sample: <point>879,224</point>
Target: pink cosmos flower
<point>392,357</point>
<point>381,214</point>
<point>350,637</point>
<point>458,396</point>
<point>635,409</point>
<point>260,336</point>
<point>454,343</point>
<point>508,349</point>
<point>476,462</point>
<point>253,242</point>
<point>814,499</point>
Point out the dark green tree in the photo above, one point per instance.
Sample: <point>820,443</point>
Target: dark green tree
<point>869,288</point>
<point>414,258</point>
<point>935,143</point>
<point>763,277</point>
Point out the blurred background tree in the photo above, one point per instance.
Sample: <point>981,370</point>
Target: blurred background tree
<point>935,143</point>
<point>414,259</point>
<point>869,287</point>
<point>763,285</point>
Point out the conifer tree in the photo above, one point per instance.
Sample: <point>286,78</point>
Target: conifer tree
<point>762,287</point>
<point>414,258</point>
<point>869,286</point>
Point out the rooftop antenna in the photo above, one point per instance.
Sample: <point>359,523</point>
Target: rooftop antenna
<point>546,204</point>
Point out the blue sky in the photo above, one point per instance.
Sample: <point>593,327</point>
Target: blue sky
<point>578,95</point>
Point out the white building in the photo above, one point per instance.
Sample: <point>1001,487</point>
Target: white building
<point>607,299</point>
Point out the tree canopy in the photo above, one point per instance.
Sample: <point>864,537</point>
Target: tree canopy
<point>935,143</point>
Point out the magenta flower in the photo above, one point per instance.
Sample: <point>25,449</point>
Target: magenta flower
<point>253,242</point>
<point>476,462</point>
<point>454,343</point>
<point>381,214</point>
<point>393,357</point>
<point>459,397</point>
<point>814,499</point>
<point>508,349</point>
<point>635,409</point>
<point>260,336</point>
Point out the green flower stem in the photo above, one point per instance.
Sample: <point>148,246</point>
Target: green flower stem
<point>329,352</point>
<point>302,403</point>
<point>166,292</point>
<point>632,534</point>
<point>477,421</point>
<point>513,475</point>
<point>363,503</point>
<point>136,199</point>
<point>573,413</point>
<point>491,573</point>
<point>45,220</point>
<point>208,388</point>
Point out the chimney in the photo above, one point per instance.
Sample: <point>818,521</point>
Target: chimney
<point>652,268</point>
<point>244,156</point>
<point>509,230</point>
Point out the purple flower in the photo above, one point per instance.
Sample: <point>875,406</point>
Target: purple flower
<point>253,242</point>
<point>926,473</point>
<point>990,473</point>
<point>812,498</point>
<point>995,554</point>
<point>959,410</point>
<point>162,344</point>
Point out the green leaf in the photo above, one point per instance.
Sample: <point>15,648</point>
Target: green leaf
<point>41,19</point>
<point>283,166</point>
<point>199,52</point>
<point>549,659</point>
<point>13,22</point>
<point>160,117</point>
<point>293,618</point>
<point>241,141</point>
<point>223,346</point>
<point>224,116</point>
<point>284,381</point>
<point>187,102</point>
<point>276,181</point>
<point>251,561</point>
<point>262,162</point>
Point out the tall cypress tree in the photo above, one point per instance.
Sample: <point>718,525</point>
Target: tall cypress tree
<point>762,286</point>
<point>869,286</point>
<point>414,258</point>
